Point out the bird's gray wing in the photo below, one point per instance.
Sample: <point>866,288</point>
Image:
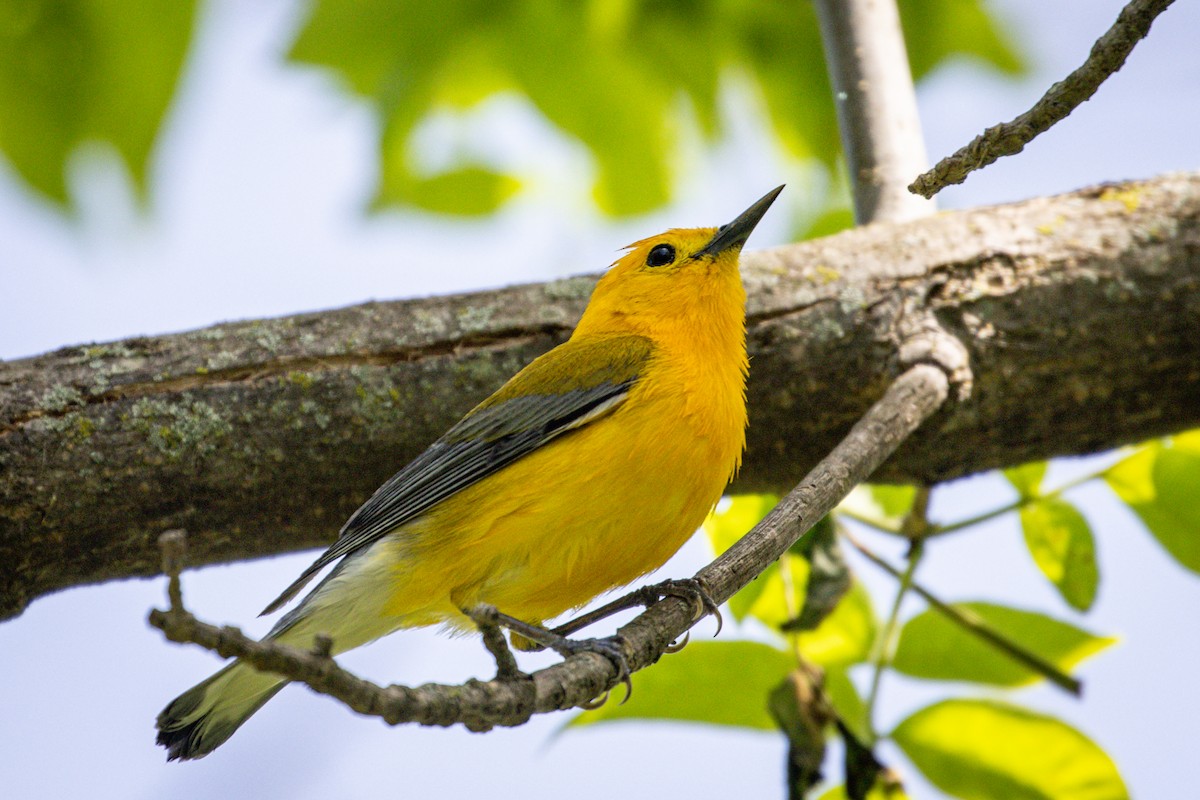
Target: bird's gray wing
<point>563,390</point>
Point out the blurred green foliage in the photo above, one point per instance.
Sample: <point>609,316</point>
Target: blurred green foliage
<point>627,79</point>
<point>73,72</point>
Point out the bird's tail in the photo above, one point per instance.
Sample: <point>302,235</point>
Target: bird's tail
<point>350,605</point>
<point>203,717</point>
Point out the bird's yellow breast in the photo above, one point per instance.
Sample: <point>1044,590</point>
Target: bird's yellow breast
<point>593,510</point>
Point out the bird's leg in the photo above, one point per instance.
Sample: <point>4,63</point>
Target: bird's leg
<point>690,589</point>
<point>612,647</point>
<point>484,618</point>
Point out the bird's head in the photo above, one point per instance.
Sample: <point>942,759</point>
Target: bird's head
<point>683,273</point>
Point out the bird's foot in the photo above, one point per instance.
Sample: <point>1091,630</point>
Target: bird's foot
<point>692,590</point>
<point>613,647</point>
<point>488,620</point>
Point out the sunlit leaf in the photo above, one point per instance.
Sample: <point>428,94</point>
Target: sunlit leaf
<point>782,594</point>
<point>985,750</point>
<point>723,683</point>
<point>735,517</point>
<point>75,71</point>
<point>828,577</point>
<point>469,191</point>
<point>620,78</point>
<point>1061,543</point>
<point>835,220</point>
<point>738,515</point>
<point>936,30</point>
<point>934,647</point>
<point>1161,483</point>
<point>885,505</point>
<point>1027,478</point>
<point>846,635</point>
<point>880,791</point>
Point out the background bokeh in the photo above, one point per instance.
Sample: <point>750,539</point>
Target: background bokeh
<point>256,208</point>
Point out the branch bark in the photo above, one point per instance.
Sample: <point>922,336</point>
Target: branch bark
<point>1078,314</point>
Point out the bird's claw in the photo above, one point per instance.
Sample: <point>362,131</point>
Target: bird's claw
<point>676,646</point>
<point>595,702</point>
<point>612,648</point>
<point>691,590</point>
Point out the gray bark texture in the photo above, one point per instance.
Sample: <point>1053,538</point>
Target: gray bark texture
<point>1080,316</point>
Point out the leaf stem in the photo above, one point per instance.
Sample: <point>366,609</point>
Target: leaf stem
<point>916,527</point>
<point>870,522</point>
<point>976,625</point>
<point>1016,505</point>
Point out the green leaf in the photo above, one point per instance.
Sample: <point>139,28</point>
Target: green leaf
<point>884,505</point>
<point>626,80</point>
<point>893,499</point>
<point>469,191</point>
<point>1061,543</point>
<point>845,636</point>
<point>985,750</point>
<point>736,518</point>
<point>833,220</point>
<point>77,71</point>
<point>937,30</point>
<point>782,595</point>
<point>880,791</point>
<point>1161,483</point>
<point>934,647</point>
<point>1027,478</point>
<point>724,528</point>
<point>722,683</point>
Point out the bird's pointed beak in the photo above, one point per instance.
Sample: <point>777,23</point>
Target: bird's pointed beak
<point>735,234</point>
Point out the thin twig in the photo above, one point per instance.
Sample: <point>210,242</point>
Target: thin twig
<point>870,522</point>
<point>976,625</point>
<point>1016,505</point>
<point>915,527</point>
<point>508,701</point>
<point>1008,138</point>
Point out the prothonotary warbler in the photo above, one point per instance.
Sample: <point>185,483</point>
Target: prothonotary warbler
<point>587,470</point>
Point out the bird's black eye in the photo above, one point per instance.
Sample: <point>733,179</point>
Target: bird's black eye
<point>660,255</point>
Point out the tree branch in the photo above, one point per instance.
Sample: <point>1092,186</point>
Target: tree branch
<point>510,700</point>
<point>876,107</point>
<point>1078,314</point>
<point>1008,138</point>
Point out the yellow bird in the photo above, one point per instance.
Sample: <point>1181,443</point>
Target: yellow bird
<point>584,472</point>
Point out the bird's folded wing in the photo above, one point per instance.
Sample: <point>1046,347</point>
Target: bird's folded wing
<point>567,388</point>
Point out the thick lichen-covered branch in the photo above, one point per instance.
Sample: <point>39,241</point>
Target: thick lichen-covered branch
<point>1078,315</point>
<point>1009,138</point>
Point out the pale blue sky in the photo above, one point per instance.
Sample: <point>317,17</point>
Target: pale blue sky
<point>259,182</point>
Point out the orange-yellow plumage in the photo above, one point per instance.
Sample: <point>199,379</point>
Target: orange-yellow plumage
<point>614,500</point>
<point>587,470</point>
